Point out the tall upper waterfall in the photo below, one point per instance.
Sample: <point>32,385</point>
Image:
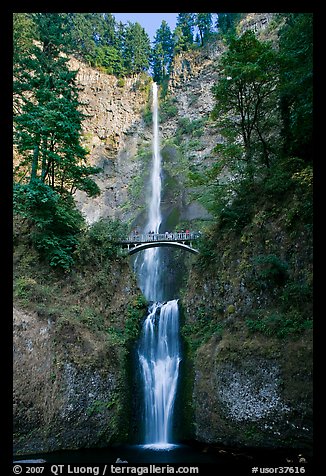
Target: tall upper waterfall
<point>159,349</point>
<point>149,271</point>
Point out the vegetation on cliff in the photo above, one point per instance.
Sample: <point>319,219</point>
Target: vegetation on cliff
<point>263,213</point>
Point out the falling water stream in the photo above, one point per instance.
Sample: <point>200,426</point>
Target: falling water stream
<point>159,349</point>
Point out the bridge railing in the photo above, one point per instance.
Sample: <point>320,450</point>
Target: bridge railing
<point>149,237</point>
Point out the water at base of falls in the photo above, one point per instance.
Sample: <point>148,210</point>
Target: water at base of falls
<point>159,359</point>
<point>160,446</point>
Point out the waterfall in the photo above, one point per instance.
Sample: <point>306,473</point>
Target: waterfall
<point>149,270</point>
<point>159,357</point>
<point>158,350</point>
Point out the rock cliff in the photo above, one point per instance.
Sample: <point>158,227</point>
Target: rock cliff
<point>112,132</point>
<point>249,334</point>
<point>70,363</point>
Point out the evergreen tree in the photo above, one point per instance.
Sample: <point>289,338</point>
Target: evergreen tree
<point>82,36</point>
<point>162,52</point>
<point>24,32</point>
<point>48,126</point>
<point>204,22</point>
<point>184,32</point>
<point>226,22</point>
<point>296,49</point>
<point>137,48</point>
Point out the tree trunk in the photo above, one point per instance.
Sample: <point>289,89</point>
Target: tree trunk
<point>35,162</point>
<point>44,161</point>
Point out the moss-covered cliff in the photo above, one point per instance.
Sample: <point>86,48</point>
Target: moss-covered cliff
<point>248,325</point>
<point>73,334</point>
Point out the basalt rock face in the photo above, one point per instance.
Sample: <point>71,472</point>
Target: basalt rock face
<point>253,393</point>
<point>119,139</point>
<point>112,132</point>
<point>70,377</point>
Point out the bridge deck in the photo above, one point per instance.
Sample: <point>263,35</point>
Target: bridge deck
<point>150,237</point>
<point>138,242</point>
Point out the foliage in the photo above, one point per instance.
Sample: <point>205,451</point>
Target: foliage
<point>270,270</point>
<point>100,243</point>
<point>187,126</point>
<point>55,221</point>
<point>130,332</point>
<point>278,324</point>
<point>47,130</point>
<point>168,109</point>
<point>162,53</point>
<point>296,293</point>
<point>184,33</point>
<point>24,31</point>
<point>204,23</point>
<point>296,83</point>
<point>226,23</point>
<point>137,49</point>
<point>246,96</point>
<point>204,326</point>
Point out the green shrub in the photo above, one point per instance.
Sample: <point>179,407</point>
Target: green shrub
<point>189,127</point>
<point>148,116</point>
<point>101,242</point>
<point>121,82</point>
<point>55,222</point>
<point>276,324</point>
<point>168,109</point>
<point>130,331</point>
<point>270,269</point>
<point>295,294</point>
<point>202,329</point>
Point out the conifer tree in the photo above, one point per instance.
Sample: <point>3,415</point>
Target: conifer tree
<point>48,126</point>
<point>137,48</point>
<point>184,32</point>
<point>162,52</point>
<point>296,50</point>
<point>204,22</point>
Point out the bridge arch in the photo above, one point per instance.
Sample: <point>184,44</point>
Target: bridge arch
<point>154,244</point>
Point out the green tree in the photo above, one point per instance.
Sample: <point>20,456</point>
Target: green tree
<point>204,23</point>
<point>137,48</point>
<point>24,32</point>
<point>226,23</point>
<point>184,32</point>
<point>162,52</point>
<point>296,49</point>
<point>82,36</point>
<point>246,98</point>
<point>110,60</point>
<point>48,126</point>
<point>54,222</point>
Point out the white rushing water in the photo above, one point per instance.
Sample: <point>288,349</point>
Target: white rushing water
<point>149,270</point>
<point>159,350</point>
<point>159,356</point>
